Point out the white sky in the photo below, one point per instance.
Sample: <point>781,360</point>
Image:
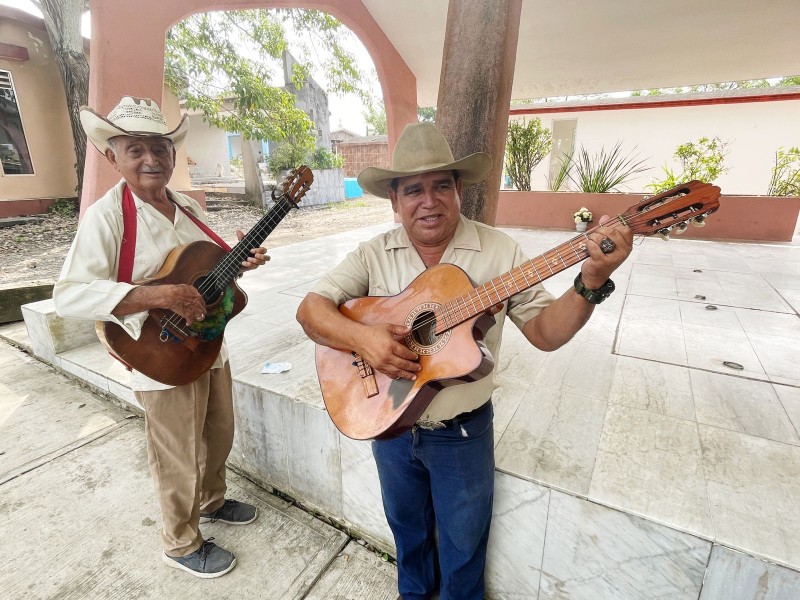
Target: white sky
<point>346,111</point>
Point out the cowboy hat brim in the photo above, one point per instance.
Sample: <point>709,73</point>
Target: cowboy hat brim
<point>472,169</point>
<point>99,130</point>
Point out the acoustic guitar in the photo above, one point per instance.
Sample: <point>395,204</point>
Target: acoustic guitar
<point>448,320</point>
<point>172,352</point>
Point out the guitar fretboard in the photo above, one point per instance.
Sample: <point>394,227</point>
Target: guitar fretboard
<point>514,281</point>
<point>227,269</point>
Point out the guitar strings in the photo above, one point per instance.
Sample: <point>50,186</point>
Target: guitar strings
<point>541,261</point>
<point>270,220</point>
<point>445,314</point>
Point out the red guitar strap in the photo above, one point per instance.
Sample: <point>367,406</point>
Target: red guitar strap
<point>127,248</point>
<point>205,229</point>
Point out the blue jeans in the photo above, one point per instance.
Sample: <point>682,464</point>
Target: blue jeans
<point>440,482</point>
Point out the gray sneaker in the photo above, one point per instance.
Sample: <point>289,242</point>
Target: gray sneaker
<point>208,561</point>
<point>232,512</point>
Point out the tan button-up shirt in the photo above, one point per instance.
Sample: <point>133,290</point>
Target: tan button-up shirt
<point>88,286</point>
<point>387,264</point>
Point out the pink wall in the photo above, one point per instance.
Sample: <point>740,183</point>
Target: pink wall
<point>756,218</point>
<point>128,59</point>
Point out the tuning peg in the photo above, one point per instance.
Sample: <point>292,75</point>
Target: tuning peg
<point>698,221</point>
<point>681,227</point>
<point>663,234</point>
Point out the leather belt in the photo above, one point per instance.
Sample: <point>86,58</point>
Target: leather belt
<point>451,423</point>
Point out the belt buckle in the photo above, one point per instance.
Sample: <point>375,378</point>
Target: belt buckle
<point>430,425</point>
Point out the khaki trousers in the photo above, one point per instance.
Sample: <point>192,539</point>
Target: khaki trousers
<point>189,433</point>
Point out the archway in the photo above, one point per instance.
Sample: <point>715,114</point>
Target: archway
<point>127,57</point>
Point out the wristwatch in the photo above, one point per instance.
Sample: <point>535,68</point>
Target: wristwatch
<point>594,296</point>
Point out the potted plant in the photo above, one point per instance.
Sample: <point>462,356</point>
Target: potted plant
<point>582,216</point>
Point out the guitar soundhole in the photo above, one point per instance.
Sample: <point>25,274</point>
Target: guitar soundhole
<point>424,328</point>
<point>423,338</point>
<point>209,288</point>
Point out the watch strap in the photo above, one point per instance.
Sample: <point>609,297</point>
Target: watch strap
<point>594,296</point>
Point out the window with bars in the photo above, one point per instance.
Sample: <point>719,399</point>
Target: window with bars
<point>15,159</point>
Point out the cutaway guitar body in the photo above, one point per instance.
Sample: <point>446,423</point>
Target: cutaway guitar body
<point>172,352</point>
<point>365,404</point>
<point>449,320</point>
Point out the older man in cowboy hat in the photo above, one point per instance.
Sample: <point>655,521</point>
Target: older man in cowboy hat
<point>437,479</point>
<point>189,428</point>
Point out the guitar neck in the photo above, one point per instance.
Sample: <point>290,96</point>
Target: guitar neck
<point>518,279</point>
<point>227,269</point>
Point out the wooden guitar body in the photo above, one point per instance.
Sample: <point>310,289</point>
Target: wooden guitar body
<point>172,352</point>
<point>177,354</point>
<point>448,317</point>
<point>363,411</point>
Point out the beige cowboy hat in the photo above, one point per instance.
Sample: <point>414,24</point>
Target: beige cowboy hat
<point>137,117</point>
<point>421,148</point>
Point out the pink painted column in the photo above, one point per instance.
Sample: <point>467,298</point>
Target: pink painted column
<point>127,58</point>
<point>480,50</point>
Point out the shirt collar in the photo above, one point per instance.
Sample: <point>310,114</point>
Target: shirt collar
<point>465,238</point>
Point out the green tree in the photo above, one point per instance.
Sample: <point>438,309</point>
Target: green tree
<point>62,20</point>
<point>703,160</point>
<point>526,145</point>
<point>426,114</point>
<point>785,180</point>
<point>224,63</point>
<point>375,116</point>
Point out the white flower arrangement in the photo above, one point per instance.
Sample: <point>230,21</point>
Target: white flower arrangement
<point>582,215</point>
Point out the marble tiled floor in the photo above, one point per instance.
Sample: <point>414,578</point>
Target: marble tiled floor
<point>641,411</point>
<point>638,412</point>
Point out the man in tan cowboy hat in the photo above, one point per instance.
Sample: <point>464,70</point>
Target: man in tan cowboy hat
<point>437,479</point>
<point>189,428</point>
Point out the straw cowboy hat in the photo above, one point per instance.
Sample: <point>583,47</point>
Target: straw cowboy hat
<point>421,149</point>
<point>137,117</point>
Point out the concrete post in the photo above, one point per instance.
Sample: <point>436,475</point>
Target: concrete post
<point>480,49</point>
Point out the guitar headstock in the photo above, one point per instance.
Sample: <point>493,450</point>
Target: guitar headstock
<point>296,184</point>
<point>689,202</point>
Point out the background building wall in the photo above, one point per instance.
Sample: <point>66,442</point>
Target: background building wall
<point>753,131</point>
<point>360,153</point>
<point>43,109</point>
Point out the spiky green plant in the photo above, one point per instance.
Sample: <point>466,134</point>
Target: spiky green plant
<point>556,183</point>
<point>604,171</point>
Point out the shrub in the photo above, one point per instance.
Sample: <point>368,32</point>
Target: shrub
<point>66,207</point>
<point>603,172</point>
<point>785,179</point>
<point>289,154</point>
<point>701,160</point>
<point>322,158</point>
<point>526,146</point>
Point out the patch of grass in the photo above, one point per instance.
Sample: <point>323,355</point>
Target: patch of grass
<point>349,204</point>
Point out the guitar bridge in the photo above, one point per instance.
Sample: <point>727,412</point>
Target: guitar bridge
<point>367,375</point>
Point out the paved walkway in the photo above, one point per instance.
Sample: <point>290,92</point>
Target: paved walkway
<point>679,402</point>
<point>80,519</point>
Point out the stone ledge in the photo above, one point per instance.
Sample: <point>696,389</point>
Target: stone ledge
<point>13,296</point>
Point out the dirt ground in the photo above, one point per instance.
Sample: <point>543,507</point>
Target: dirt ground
<point>35,252</point>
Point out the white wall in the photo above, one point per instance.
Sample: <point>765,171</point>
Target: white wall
<point>754,131</point>
<point>207,146</point>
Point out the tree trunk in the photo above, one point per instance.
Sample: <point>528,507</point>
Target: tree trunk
<point>62,19</point>
<point>253,186</point>
<point>480,49</point>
